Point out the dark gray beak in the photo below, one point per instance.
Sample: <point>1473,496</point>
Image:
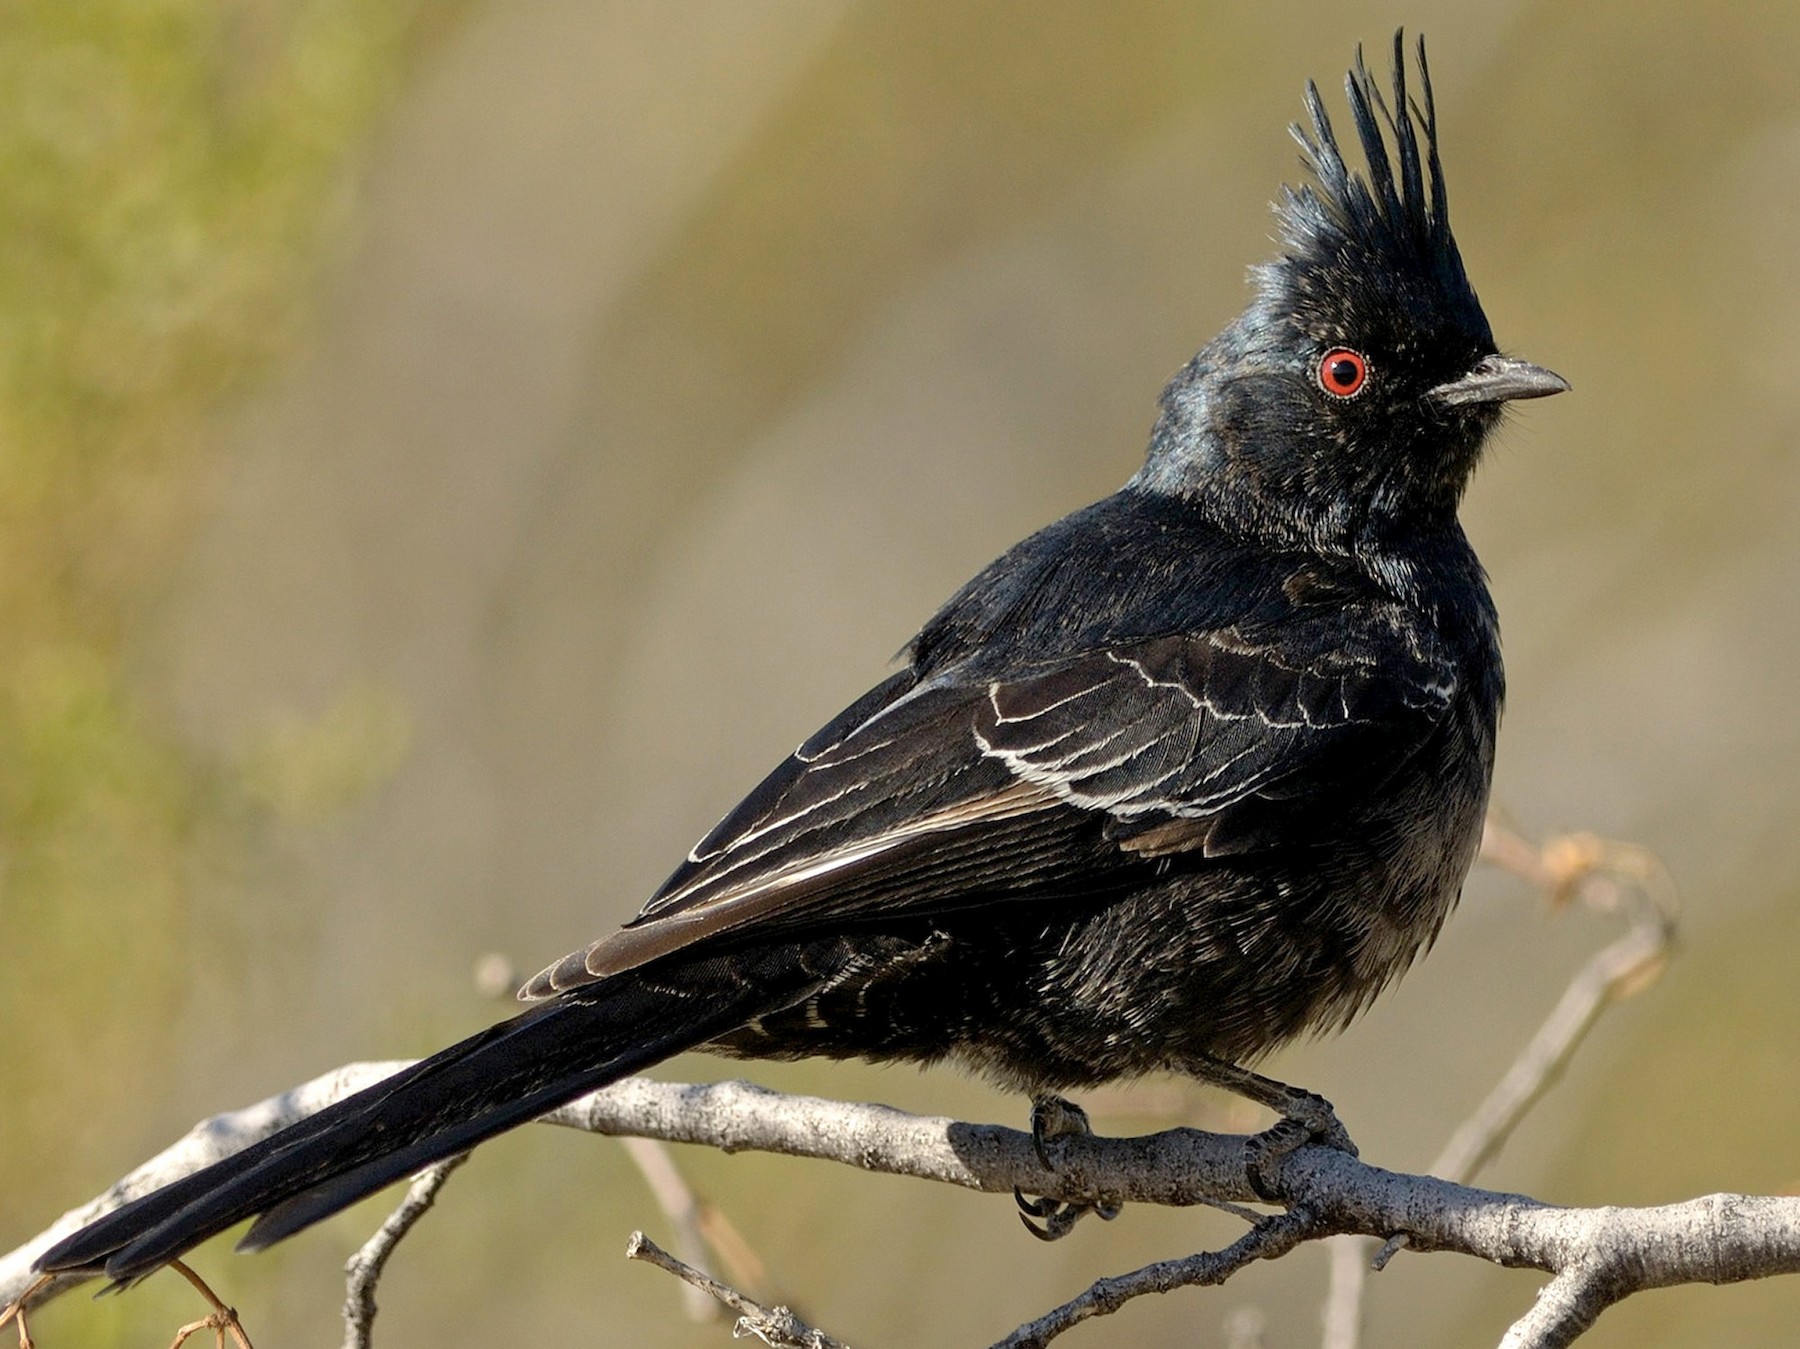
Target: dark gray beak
<point>1499,379</point>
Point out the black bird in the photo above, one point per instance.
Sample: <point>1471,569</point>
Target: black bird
<point>1187,774</point>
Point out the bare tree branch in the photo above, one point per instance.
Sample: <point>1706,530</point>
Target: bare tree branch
<point>1718,1239</point>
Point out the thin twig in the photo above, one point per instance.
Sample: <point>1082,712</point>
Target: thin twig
<point>775,1326</point>
<point>1274,1235</point>
<point>15,1310</point>
<point>363,1270</point>
<point>1622,964</point>
<point>1581,866</point>
<point>681,1206</point>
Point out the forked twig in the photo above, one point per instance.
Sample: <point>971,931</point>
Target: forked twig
<point>15,1310</point>
<point>222,1320</point>
<point>1604,875</point>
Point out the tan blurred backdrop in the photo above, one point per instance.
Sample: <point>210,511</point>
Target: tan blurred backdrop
<point>448,452</point>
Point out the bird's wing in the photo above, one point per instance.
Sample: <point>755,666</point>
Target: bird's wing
<point>1216,741</point>
<point>924,798</point>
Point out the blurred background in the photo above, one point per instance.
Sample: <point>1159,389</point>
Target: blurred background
<point>448,451</point>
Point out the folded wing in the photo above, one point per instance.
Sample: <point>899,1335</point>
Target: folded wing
<point>1070,778</point>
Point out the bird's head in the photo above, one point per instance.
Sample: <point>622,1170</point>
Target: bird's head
<point>1354,393</point>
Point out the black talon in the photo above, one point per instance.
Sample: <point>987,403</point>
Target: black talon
<point>1059,1219</point>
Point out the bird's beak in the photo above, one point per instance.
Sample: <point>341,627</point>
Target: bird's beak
<point>1499,379</point>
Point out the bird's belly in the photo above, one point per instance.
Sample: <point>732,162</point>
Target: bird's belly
<point>1207,965</point>
<point>1233,958</point>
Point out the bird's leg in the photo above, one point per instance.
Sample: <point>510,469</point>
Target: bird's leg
<point>1306,1117</point>
<point>1052,1120</point>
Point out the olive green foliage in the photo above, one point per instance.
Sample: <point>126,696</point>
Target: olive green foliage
<point>170,171</point>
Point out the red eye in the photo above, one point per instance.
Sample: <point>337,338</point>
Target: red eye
<point>1342,373</point>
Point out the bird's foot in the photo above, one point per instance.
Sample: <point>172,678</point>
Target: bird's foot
<point>1306,1118</point>
<point>1053,1219</point>
<point>1054,1119</point>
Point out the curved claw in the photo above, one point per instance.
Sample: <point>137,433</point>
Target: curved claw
<point>1058,1219</point>
<point>1041,1233</point>
<point>1055,1218</point>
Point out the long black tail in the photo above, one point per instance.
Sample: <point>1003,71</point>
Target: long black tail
<point>443,1105</point>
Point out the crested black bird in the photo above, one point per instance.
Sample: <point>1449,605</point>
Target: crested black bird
<point>1188,773</point>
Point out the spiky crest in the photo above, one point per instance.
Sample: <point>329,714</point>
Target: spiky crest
<point>1397,217</point>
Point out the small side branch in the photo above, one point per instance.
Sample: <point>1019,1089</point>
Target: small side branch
<point>1273,1236</point>
<point>1565,1307</point>
<point>363,1270</point>
<point>775,1326</point>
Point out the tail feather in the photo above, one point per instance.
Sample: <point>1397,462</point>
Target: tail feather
<point>443,1105</point>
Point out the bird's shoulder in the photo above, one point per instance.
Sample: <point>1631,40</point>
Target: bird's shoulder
<point>1141,565</point>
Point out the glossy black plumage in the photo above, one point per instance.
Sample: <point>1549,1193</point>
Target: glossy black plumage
<point>1188,773</point>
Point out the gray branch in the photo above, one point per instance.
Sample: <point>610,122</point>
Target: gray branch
<point>1596,1255</point>
<point>363,1270</point>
